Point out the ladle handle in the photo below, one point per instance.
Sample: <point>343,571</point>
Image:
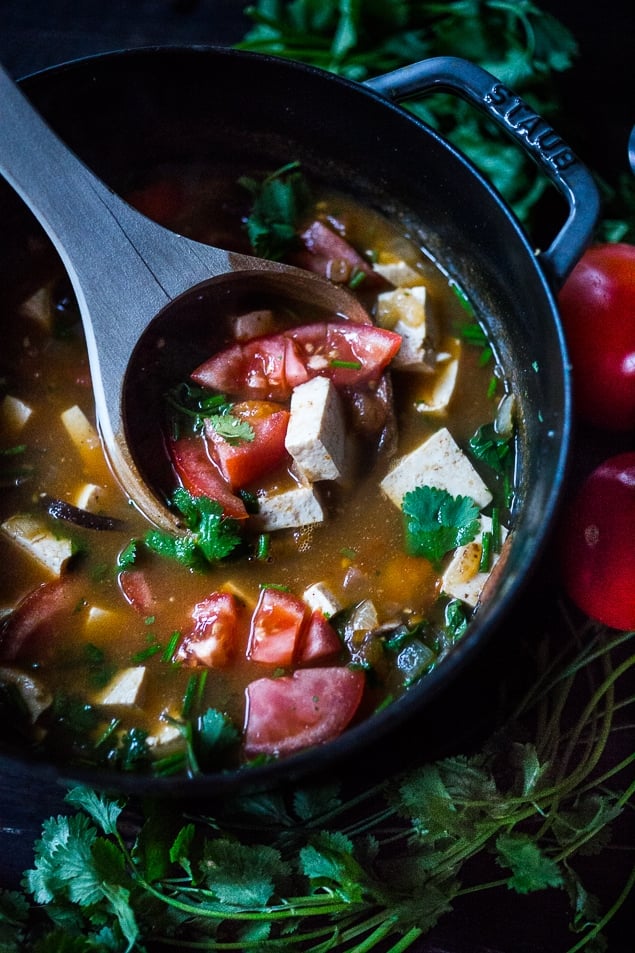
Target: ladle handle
<point>123,268</point>
<point>529,130</point>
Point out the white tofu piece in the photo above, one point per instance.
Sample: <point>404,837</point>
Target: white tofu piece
<point>36,539</point>
<point>125,689</point>
<point>39,307</point>
<point>398,273</point>
<point>435,390</point>
<point>437,462</point>
<point>165,739</point>
<point>319,596</point>
<point>462,579</point>
<point>81,431</point>
<point>407,305</point>
<point>290,509</point>
<point>36,698</point>
<point>90,497</point>
<point>15,413</point>
<point>316,433</point>
<point>253,324</point>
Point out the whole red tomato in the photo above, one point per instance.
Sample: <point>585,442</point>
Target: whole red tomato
<point>597,306</point>
<point>598,544</point>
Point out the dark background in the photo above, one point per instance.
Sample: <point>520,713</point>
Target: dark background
<point>599,108</point>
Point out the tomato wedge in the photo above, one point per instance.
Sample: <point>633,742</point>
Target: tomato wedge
<point>310,707</point>
<point>199,475</point>
<point>320,641</point>
<point>38,613</point>
<point>245,461</point>
<point>137,591</point>
<point>270,367</point>
<point>217,626</point>
<point>276,625</point>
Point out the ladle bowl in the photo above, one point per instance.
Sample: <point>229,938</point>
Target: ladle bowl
<point>126,272</point>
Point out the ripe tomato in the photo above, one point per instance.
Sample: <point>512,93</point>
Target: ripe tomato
<point>597,306</point>
<point>199,475</point>
<point>269,367</point>
<point>277,622</point>
<point>296,711</point>
<point>598,549</point>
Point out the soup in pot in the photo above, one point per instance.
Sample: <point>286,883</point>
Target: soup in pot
<point>344,491</point>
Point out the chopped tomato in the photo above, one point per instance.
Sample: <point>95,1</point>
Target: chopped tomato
<point>276,627</point>
<point>216,633</point>
<point>296,711</point>
<point>38,613</point>
<point>245,461</point>
<point>199,475</point>
<point>270,367</point>
<point>320,640</point>
<point>136,589</point>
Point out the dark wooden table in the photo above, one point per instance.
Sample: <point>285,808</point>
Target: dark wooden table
<point>35,34</point>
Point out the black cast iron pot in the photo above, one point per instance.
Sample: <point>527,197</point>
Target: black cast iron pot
<point>124,112</point>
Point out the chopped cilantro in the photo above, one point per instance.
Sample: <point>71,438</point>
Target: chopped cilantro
<point>128,555</point>
<point>279,201</point>
<point>233,429</point>
<point>437,522</point>
<point>209,536</point>
<point>492,448</point>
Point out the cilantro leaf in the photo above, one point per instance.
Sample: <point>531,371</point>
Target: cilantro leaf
<point>215,733</point>
<point>241,875</point>
<point>437,522</point>
<point>492,448</point>
<point>209,537</point>
<point>279,201</point>
<point>232,429</point>
<point>104,811</point>
<point>531,868</point>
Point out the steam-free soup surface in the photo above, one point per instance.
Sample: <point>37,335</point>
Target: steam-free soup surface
<point>343,490</point>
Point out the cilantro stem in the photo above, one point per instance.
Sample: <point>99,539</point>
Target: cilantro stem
<point>608,916</point>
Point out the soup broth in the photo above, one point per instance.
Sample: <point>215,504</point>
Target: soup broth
<point>353,507</point>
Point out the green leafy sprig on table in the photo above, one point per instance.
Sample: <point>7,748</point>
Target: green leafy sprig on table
<point>519,43</point>
<point>313,871</point>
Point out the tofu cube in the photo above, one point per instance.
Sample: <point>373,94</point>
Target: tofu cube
<point>437,462</point>
<point>435,390</point>
<point>39,307</point>
<point>34,537</point>
<point>81,431</point>
<point>90,497</point>
<point>462,578</point>
<point>125,689</point>
<point>405,305</point>
<point>319,596</point>
<point>15,413</point>
<point>290,509</point>
<point>398,273</point>
<point>316,433</point>
<point>254,324</point>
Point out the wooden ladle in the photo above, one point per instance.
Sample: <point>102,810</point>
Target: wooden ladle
<point>134,280</point>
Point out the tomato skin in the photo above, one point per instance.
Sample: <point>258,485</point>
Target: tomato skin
<point>217,629</point>
<point>297,711</point>
<point>242,463</point>
<point>269,367</point>
<point>276,624</point>
<point>598,544</point>
<point>597,307</point>
<point>198,474</point>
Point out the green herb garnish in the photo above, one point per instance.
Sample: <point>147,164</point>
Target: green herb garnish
<point>232,429</point>
<point>437,522</point>
<point>279,201</point>
<point>209,536</point>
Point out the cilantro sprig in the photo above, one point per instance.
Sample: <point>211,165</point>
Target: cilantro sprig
<point>278,203</point>
<point>311,870</point>
<point>437,522</point>
<point>209,536</point>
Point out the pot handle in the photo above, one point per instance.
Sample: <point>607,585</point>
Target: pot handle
<point>529,130</point>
